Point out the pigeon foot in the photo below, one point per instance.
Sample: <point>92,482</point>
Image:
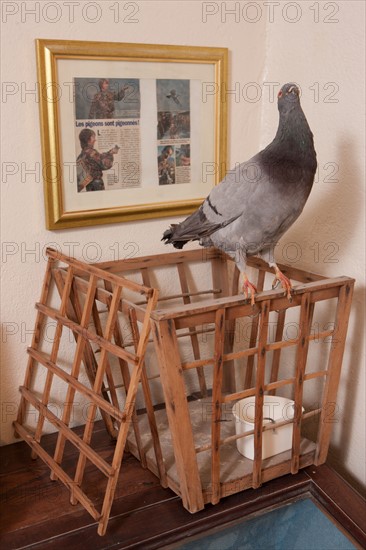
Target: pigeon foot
<point>249,290</point>
<point>280,278</point>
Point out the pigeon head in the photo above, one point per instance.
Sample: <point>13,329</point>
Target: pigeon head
<point>288,97</point>
<point>294,139</point>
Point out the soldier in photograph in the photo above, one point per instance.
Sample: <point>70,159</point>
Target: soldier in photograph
<point>103,102</point>
<point>90,163</point>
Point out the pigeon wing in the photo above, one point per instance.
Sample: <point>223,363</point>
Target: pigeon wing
<point>229,200</point>
<point>223,206</point>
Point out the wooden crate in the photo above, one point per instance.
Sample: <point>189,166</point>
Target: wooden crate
<point>168,396</point>
<point>195,429</point>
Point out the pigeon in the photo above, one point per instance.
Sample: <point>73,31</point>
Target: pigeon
<point>255,204</point>
<point>174,96</point>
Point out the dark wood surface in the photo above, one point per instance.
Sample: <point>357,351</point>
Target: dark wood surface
<point>36,513</point>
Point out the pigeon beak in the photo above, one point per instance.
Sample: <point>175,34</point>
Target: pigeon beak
<point>293,89</point>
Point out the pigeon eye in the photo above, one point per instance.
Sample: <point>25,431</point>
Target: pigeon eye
<point>279,93</point>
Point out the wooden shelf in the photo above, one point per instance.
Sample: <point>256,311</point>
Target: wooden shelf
<point>36,513</point>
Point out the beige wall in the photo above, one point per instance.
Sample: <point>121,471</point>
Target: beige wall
<point>285,44</point>
<point>328,62</point>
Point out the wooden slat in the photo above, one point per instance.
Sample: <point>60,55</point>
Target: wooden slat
<point>334,369</point>
<point>259,394</point>
<point>125,373</point>
<point>149,408</point>
<point>216,404</point>
<point>253,335</point>
<point>178,414</point>
<point>321,335</point>
<point>317,374</point>
<point>240,354</point>
<point>54,351</point>
<point>75,370</point>
<point>39,323</point>
<point>277,353</point>
<point>197,364</point>
<point>227,357</point>
<point>211,291</point>
<point>129,408</point>
<point>89,425</point>
<point>251,391</point>
<point>279,384</point>
<point>301,357</point>
<point>198,331</point>
<point>146,277</point>
<point>108,370</point>
<point>194,339</point>
<point>235,281</point>
<point>280,345</point>
<point>243,308</point>
<point>220,279</point>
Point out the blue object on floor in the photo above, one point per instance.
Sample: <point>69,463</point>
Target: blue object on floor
<point>300,525</point>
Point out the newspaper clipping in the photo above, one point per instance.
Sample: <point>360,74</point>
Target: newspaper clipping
<point>107,133</point>
<point>173,131</point>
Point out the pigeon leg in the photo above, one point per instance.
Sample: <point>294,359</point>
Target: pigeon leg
<point>283,280</point>
<point>249,289</point>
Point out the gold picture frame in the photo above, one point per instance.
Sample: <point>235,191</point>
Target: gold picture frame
<point>64,65</point>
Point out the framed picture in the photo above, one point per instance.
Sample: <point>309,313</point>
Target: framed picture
<point>129,131</point>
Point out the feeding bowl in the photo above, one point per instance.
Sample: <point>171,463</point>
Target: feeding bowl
<point>274,441</point>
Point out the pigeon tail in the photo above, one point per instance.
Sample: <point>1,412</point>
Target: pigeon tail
<point>194,228</point>
<point>168,237</point>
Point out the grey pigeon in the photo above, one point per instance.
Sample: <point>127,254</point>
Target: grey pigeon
<point>254,205</point>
